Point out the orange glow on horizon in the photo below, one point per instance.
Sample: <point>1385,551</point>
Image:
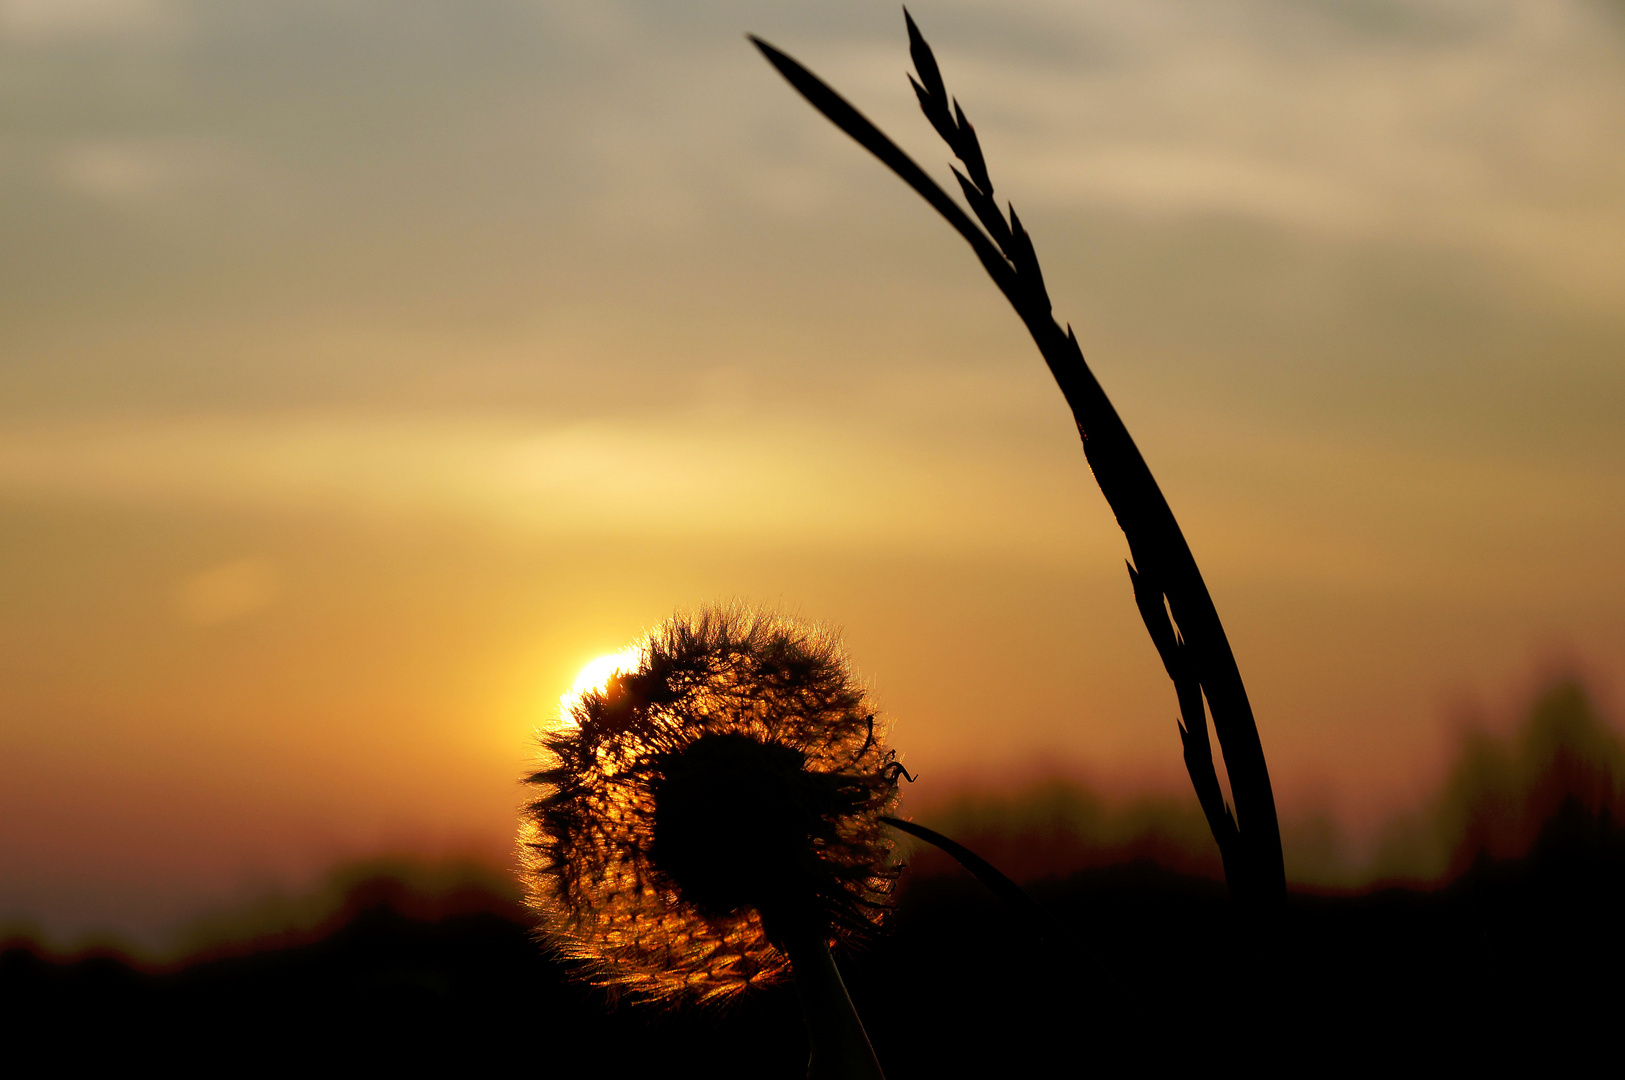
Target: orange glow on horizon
<point>313,516</point>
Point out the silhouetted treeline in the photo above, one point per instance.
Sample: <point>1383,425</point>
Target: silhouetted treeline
<point>1518,953</point>
<point>1498,794</point>
<point>1515,954</point>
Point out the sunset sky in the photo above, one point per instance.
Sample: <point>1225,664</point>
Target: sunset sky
<point>367,368</point>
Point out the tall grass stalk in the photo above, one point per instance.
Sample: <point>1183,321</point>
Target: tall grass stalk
<point>1172,597</point>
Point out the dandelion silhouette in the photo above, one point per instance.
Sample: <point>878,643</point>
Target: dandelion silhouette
<point>712,818</point>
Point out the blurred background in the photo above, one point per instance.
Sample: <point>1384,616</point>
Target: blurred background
<point>367,369</point>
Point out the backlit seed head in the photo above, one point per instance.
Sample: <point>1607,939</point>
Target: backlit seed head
<point>723,794</point>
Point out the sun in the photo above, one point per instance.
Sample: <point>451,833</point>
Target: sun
<point>596,673</point>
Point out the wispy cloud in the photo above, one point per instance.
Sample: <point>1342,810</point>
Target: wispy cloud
<point>1488,127</point>
<point>228,592</point>
<point>45,22</point>
<point>791,484</point>
<point>136,171</point>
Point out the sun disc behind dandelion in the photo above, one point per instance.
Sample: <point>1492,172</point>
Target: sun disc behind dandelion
<point>594,676</point>
<point>709,793</point>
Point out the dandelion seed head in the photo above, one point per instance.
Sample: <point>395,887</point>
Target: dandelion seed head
<point>720,793</point>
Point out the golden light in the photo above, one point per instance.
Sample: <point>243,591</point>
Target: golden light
<point>596,674</point>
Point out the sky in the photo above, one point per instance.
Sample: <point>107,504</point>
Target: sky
<point>368,368</point>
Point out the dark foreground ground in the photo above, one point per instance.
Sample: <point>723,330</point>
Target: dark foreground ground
<point>1514,959</point>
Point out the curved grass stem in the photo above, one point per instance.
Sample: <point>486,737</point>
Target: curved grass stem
<point>1043,925</point>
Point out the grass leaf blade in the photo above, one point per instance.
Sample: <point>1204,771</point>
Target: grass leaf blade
<point>841,113</point>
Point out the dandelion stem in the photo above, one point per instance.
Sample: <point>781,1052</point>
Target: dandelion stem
<point>840,1046</point>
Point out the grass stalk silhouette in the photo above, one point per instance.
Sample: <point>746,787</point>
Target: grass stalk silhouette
<point>1172,598</point>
